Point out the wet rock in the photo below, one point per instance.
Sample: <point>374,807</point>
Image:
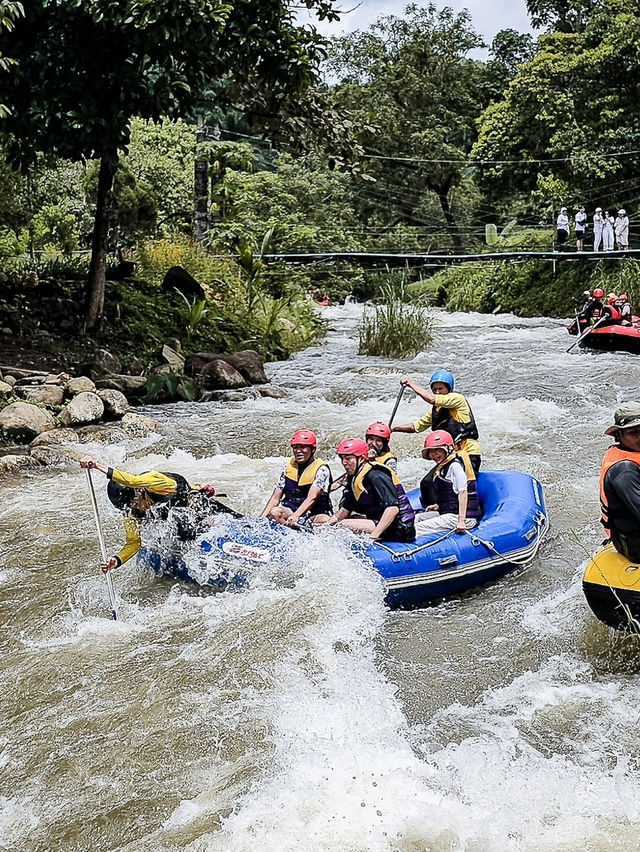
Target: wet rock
<point>115,402</point>
<point>86,407</point>
<point>24,421</point>
<point>219,374</point>
<point>81,384</point>
<point>137,425</point>
<point>247,363</point>
<point>173,359</point>
<point>50,395</point>
<point>54,436</point>
<point>53,454</point>
<point>13,464</point>
<point>103,433</point>
<point>33,379</point>
<point>179,279</point>
<point>273,393</point>
<point>229,395</point>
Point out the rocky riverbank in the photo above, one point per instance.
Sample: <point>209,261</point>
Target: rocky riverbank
<point>44,414</point>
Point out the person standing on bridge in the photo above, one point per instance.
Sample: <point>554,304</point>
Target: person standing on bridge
<point>607,232</point>
<point>598,221</point>
<point>622,231</point>
<point>580,225</point>
<point>562,227</point>
<point>449,411</point>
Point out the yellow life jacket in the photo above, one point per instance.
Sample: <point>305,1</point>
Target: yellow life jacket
<point>292,471</point>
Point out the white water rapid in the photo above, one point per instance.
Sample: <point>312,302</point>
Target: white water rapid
<point>298,713</point>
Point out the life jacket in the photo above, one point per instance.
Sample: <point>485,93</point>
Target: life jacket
<point>614,312</point>
<point>442,418</point>
<point>614,454</point>
<point>181,495</point>
<point>297,483</point>
<point>386,457</point>
<point>366,502</point>
<point>596,310</point>
<point>446,497</point>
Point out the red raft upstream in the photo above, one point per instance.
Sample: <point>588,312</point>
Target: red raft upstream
<point>612,337</point>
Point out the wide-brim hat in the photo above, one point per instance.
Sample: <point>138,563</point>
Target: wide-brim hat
<point>625,417</point>
<point>622,212</point>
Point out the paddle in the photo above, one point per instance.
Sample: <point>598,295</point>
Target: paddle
<point>103,549</point>
<point>395,407</point>
<point>587,332</point>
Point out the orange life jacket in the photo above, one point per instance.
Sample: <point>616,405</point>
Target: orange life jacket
<point>614,454</point>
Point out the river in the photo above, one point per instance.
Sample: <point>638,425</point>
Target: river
<point>299,713</point>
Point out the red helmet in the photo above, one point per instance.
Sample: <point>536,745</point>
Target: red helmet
<point>624,297</point>
<point>303,438</point>
<point>379,430</point>
<point>438,440</point>
<point>612,299</point>
<point>353,447</point>
<point>598,293</point>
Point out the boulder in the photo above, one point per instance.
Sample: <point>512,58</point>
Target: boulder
<point>274,393</point>
<point>173,359</point>
<point>102,433</point>
<point>33,379</point>
<point>81,384</point>
<point>12,464</point>
<point>9,380</point>
<point>6,389</point>
<point>131,386</point>
<point>104,363</point>
<point>54,436</point>
<point>115,403</point>
<point>50,395</point>
<point>86,407</point>
<point>177,278</point>
<point>24,421</point>
<point>229,395</point>
<point>138,426</point>
<point>53,454</point>
<point>219,374</point>
<point>247,363</point>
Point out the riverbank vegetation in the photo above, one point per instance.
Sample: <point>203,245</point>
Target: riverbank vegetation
<point>412,147</point>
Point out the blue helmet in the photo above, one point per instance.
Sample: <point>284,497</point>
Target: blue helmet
<point>442,376</point>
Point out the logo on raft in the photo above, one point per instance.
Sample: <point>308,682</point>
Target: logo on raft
<point>245,551</point>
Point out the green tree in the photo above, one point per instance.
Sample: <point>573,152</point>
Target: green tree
<point>568,114</point>
<point>10,11</point>
<point>563,16</point>
<point>85,67</point>
<point>414,95</point>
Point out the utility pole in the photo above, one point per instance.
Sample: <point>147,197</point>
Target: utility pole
<point>201,187</point>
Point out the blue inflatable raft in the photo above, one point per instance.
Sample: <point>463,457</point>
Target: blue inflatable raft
<point>513,525</point>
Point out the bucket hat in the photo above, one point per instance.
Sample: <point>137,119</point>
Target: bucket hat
<point>625,417</point>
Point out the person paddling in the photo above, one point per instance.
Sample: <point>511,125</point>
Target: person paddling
<point>370,491</point>
<point>135,495</point>
<point>620,482</point>
<point>302,491</point>
<point>449,411</point>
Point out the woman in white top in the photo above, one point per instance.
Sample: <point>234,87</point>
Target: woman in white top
<point>607,232</point>
<point>622,230</point>
<point>562,226</point>
<point>580,225</point>
<point>598,221</point>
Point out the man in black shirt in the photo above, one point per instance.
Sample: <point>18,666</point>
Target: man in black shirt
<point>620,482</point>
<point>370,491</point>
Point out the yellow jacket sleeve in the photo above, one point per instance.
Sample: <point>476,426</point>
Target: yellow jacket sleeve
<point>423,423</point>
<point>152,481</point>
<point>133,542</point>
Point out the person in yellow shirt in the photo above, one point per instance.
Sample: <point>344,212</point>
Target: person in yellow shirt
<point>135,495</point>
<point>449,411</point>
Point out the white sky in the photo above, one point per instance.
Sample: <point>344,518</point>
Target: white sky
<point>488,16</point>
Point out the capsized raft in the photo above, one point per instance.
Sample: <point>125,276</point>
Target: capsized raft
<point>433,567</point>
<point>611,585</point>
<point>614,337</point>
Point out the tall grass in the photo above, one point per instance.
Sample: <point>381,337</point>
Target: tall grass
<point>395,328</point>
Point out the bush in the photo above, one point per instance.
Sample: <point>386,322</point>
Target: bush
<point>155,257</point>
<point>395,329</point>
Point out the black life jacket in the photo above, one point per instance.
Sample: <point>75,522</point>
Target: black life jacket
<point>297,483</point>
<point>441,418</point>
<point>366,501</point>
<point>446,497</point>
